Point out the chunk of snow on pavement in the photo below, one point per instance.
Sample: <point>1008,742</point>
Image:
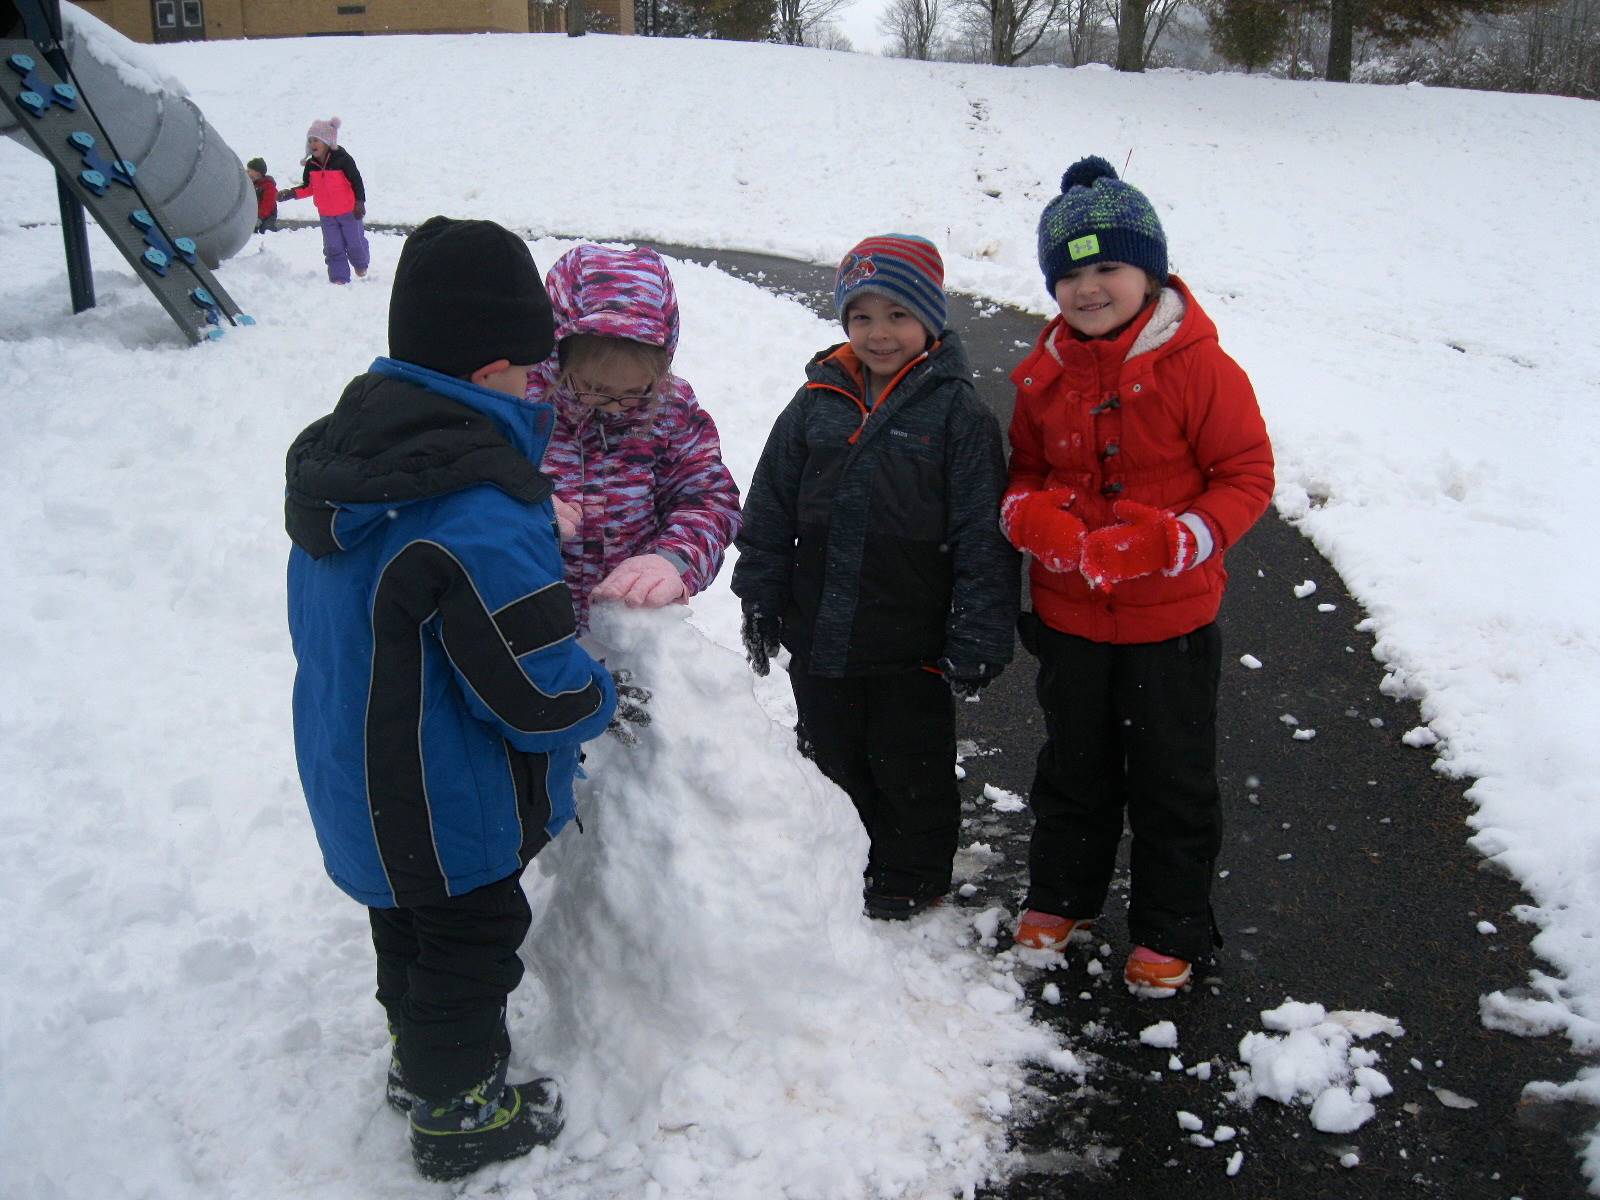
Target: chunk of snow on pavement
<point>1376,1082</point>
<point>1189,1123</point>
<point>1336,1110</point>
<point>1314,1062</point>
<point>1003,800</point>
<point>1163,1034</point>
<point>1364,1024</point>
<point>1302,590</point>
<point>1420,736</point>
<point>1488,927</point>
<point>1304,735</point>
<point>1251,661</point>
<point>1452,1099</point>
<point>1235,1161</point>
<point>1349,1159</point>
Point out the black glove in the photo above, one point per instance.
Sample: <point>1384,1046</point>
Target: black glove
<point>967,681</point>
<point>631,715</point>
<point>762,635</point>
<point>285,193</point>
<point>360,210</point>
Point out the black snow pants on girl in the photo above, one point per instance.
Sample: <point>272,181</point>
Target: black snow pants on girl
<point>1128,729</point>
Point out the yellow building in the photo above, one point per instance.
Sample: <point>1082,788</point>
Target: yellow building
<point>197,20</point>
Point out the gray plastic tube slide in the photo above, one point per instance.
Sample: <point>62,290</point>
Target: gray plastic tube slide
<point>185,169</point>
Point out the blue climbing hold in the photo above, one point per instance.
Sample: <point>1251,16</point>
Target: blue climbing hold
<point>33,102</point>
<point>66,94</point>
<point>244,319</point>
<point>82,140</point>
<point>142,219</point>
<point>94,181</point>
<point>203,298</point>
<point>22,63</point>
<point>156,261</point>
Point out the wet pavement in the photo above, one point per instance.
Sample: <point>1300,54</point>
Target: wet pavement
<point>1348,882</point>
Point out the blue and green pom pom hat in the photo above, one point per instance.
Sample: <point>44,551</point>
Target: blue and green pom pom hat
<point>1099,218</point>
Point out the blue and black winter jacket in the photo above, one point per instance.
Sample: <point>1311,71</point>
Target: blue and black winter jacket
<point>441,696</point>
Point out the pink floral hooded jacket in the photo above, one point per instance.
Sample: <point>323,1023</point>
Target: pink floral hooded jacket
<point>646,481</point>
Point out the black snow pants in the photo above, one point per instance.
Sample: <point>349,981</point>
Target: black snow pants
<point>444,972</point>
<point>889,741</point>
<point>1128,728</point>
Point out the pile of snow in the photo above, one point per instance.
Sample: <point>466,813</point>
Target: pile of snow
<point>1311,1058</point>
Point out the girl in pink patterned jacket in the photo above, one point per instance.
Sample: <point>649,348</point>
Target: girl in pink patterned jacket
<point>645,505</point>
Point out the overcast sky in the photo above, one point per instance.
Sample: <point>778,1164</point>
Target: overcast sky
<point>859,20</point>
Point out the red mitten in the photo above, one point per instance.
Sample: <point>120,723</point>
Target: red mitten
<point>1150,541</point>
<point>1039,523</point>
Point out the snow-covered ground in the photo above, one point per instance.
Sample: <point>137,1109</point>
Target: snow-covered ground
<point>1406,274</point>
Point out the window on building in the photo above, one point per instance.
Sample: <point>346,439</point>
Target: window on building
<point>166,14</point>
<point>351,10</point>
<point>193,18</point>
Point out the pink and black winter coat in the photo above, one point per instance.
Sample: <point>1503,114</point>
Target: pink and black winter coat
<point>645,481</point>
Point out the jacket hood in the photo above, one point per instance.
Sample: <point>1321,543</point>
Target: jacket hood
<point>614,293</point>
<point>401,434</point>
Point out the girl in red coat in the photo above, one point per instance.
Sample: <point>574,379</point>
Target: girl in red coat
<point>1138,457</point>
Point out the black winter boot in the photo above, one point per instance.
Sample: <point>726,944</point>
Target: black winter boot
<point>493,1122</point>
<point>395,1092</point>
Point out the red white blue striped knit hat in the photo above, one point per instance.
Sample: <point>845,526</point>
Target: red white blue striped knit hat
<point>905,268</point>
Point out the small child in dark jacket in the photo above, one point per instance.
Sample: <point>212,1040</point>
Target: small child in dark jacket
<point>266,195</point>
<point>441,697</point>
<point>872,550</point>
<point>334,185</point>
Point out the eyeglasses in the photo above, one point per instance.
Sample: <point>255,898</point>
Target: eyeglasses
<point>625,400</point>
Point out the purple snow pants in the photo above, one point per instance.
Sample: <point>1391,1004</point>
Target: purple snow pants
<point>344,244</point>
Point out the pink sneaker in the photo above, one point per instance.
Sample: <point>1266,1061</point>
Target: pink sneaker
<point>1046,931</point>
<point>1154,976</point>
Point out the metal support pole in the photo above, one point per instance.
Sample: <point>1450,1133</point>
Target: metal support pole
<point>42,20</point>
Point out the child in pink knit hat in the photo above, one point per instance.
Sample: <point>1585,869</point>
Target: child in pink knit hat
<point>334,185</point>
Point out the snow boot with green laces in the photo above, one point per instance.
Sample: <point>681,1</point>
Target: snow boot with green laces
<point>493,1122</point>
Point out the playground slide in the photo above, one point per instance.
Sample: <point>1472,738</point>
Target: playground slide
<point>184,166</point>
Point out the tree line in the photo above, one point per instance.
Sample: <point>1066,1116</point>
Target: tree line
<point>1550,46</point>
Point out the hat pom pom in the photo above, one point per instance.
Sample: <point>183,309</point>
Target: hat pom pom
<point>1085,171</point>
<point>334,121</point>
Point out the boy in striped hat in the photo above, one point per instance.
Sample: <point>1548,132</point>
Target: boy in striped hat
<point>871,551</point>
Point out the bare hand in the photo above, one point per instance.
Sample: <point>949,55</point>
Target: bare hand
<point>644,581</point>
<point>568,517</point>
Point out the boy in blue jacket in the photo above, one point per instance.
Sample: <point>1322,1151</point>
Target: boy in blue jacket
<point>441,697</point>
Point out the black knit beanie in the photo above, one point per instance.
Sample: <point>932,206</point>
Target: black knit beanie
<point>258,165</point>
<point>466,294</point>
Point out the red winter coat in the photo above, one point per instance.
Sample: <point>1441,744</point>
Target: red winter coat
<point>334,186</point>
<point>266,197</point>
<point>1174,426</point>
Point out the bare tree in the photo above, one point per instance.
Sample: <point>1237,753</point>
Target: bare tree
<point>914,27</point>
<point>1081,23</point>
<point>1009,28</point>
<point>793,20</point>
<point>1139,24</point>
<point>828,36</point>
